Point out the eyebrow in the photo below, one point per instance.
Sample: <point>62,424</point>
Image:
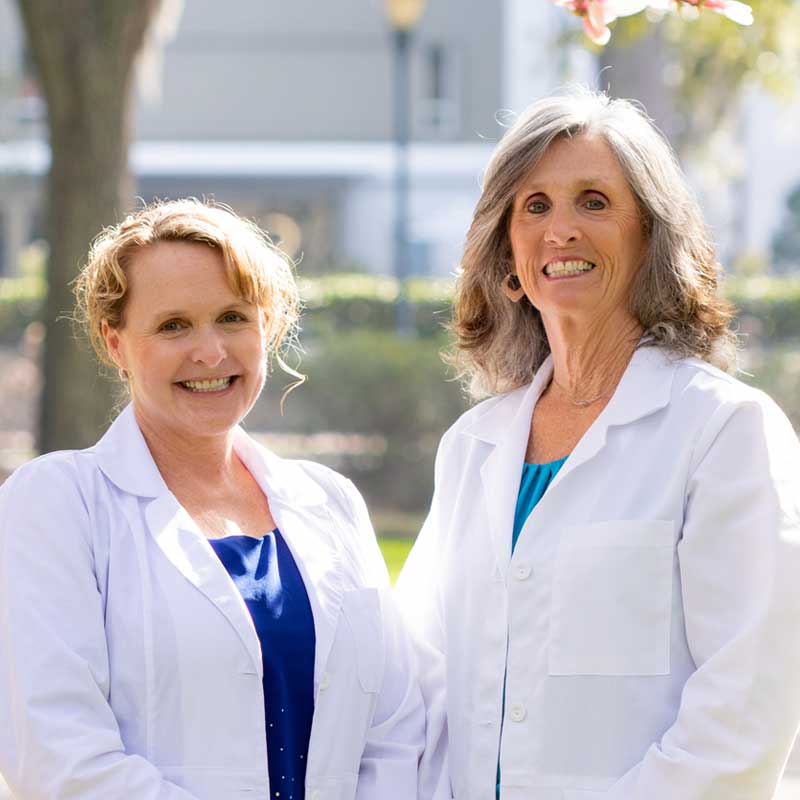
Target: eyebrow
<point>583,185</point>
<point>177,312</point>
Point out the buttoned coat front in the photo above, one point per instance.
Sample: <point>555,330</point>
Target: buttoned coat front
<point>643,641</point>
<point>130,665</point>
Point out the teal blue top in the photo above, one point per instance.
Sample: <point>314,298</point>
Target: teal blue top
<point>535,480</point>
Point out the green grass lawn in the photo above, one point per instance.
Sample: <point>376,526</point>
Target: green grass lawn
<point>394,552</point>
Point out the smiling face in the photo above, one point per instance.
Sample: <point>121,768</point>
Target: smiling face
<point>193,350</point>
<point>576,234</point>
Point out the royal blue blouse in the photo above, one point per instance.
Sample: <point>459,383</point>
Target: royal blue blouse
<point>267,576</point>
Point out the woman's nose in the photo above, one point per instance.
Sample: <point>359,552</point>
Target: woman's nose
<point>209,348</point>
<point>562,227</point>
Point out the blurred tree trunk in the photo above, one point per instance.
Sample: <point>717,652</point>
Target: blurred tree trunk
<point>84,53</point>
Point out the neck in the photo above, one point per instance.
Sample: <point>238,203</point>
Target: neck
<point>199,461</point>
<point>590,358</point>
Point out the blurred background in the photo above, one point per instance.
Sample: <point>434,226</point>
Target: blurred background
<point>356,133</point>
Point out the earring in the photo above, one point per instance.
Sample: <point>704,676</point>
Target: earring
<point>512,288</point>
<point>123,375</point>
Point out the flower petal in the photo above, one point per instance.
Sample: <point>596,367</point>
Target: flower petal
<point>599,34</point>
<point>624,8</point>
<point>738,12</point>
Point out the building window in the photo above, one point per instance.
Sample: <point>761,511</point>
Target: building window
<point>438,109</point>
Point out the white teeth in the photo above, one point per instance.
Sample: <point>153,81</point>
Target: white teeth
<point>208,386</point>
<point>568,267</point>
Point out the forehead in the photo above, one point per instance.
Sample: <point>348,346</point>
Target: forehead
<point>579,161</point>
<point>176,275</point>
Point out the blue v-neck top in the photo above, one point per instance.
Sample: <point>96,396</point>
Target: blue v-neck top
<point>267,576</point>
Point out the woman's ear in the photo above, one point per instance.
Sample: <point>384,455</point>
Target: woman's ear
<point>112,340</point>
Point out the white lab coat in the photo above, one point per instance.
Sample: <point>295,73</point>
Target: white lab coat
<point>130,666</point>
<point>649,618</point>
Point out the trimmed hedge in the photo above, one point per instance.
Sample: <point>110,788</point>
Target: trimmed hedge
<point>394,392</point>
<point>769,307</point>
<point>374,383</point>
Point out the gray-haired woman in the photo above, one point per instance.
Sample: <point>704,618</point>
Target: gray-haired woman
<point>606,582</point>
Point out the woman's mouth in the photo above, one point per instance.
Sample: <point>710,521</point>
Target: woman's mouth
<point>564,269</point>
<point>213,385</point>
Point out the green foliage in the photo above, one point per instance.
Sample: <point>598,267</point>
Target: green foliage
<point>395,552</point>
<point>373,382</point>
<point>768,307</point>
<point>22,297</point>
<point>786,243</point>
<point>21,302</point>
<point>352,301</point>
<point>710,59</point>
<point>776,370</point>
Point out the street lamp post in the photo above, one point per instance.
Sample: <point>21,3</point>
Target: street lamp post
<point>403,16</point>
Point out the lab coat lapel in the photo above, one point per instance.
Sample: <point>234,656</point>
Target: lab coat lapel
<point>302,513</point>
<point>310,535</point>
<point>188,550</point>
<point>645,388</point>
<point>124,457</point>
<point>506,426</point>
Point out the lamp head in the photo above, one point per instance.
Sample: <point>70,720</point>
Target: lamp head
<point>404,14</point>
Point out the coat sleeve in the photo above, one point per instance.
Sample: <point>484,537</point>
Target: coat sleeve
<point>739,559</point>
<point>59,737</point>
<point>419,599</point>
<point>389,762</point>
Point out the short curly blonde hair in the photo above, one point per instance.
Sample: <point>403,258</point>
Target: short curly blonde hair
<point>257,270</point>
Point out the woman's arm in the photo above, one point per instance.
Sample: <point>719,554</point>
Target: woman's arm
<point>739,561</point>
<point>418,596</point>
<point>395,741</point>
<point>59,737</point>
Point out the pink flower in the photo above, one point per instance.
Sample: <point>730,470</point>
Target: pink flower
<point>596,14</point>
<point>732,9</point>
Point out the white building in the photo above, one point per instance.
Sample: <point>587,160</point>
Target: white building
<point>285,112</point>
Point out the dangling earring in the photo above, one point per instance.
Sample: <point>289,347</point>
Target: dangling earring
<point>512,288</point>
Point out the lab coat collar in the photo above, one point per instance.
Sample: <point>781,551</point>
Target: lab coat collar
<point>645,388</point>
<point>123,455</point>
<point>298,505</point>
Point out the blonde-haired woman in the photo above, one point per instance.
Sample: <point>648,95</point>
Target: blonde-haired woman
<point>605,590</point>
<point>184,614</point>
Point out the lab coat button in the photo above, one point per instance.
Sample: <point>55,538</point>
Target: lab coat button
<point>517,712</point>
<point>325,681</point>
<point>522,571</point>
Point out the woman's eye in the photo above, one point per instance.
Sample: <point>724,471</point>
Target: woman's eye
<point>595,204</point>
<point>172,326</point>
<point>233,316</point>
<point>537,207</point>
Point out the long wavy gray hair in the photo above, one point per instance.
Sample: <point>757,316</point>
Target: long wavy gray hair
<point>499,345</point>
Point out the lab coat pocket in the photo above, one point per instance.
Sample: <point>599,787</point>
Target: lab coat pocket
<point>611,599</point>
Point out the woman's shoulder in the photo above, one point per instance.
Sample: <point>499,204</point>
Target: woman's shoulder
<point>51,497</point>
<point>698,381</point>
<point>62,471</point>
<point>718,400</point>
